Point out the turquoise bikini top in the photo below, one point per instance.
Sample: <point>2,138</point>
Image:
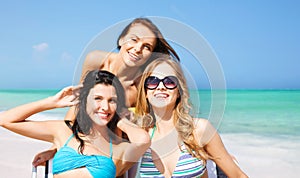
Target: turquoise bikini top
<point>67,159</point>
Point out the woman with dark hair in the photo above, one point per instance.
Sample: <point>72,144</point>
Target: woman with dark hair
<point>139,43</point>
<point>88,145</point>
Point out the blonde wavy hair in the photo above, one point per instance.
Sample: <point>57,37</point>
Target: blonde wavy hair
<point>183,121</point>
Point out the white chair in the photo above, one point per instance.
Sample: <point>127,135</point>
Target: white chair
<point>48,170</point>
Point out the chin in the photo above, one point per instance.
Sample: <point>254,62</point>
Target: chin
<point>101,122</point>
<point>160,105</point>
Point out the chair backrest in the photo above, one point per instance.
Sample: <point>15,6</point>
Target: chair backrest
<point>47,170</point>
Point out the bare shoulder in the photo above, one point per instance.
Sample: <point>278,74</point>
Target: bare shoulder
<point>203,130</point>
<point>119,150</point>
<point>93,61</point>
<point>201,124</point>
<point>98,53</point>
<point>61,131</point>
<point>96,58</point>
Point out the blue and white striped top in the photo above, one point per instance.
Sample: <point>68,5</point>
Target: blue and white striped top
<point>187,166</point>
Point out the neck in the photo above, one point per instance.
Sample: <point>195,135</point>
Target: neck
<point>118,67</point>
<point>100,132</point>
<point>164,120</point>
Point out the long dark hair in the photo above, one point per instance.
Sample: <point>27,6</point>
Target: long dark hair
<point>83,123</point>
<point>162,46</point>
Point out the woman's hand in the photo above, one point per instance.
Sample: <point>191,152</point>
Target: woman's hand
<point>126,114</point>
<point>66,97</point>
<point>41,158</point>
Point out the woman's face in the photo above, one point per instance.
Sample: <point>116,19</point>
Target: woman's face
<point>102,104</point>
<point>165,94</point>
<point>137,45</point>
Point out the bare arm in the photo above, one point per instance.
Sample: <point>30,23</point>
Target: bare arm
<point>211,140</point>
<point>15,118</point>
<point>139,143</point>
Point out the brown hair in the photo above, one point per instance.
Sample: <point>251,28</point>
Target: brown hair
<point>162,46</point>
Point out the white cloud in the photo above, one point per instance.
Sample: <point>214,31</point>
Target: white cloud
<point>66,56</point>
<point>40,51</point>
<point>41,47</point>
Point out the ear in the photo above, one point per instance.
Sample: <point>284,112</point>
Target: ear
<point>121,41</point>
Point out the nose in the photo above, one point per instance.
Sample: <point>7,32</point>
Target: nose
<point>161,86</point>
<point>104,105</point>
<point>138,47</point>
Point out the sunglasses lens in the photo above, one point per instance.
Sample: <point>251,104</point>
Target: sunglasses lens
<point>152,82</point>
<point>170,82</point>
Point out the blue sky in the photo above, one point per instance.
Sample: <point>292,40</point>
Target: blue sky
<point>257,42</point>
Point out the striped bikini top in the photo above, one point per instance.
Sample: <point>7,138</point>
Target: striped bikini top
<point>187,165</point>
<point>67,159</point>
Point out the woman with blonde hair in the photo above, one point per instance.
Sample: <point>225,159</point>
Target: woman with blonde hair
<point>181,144</point>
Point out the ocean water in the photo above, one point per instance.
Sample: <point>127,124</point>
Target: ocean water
<point>262,112</point>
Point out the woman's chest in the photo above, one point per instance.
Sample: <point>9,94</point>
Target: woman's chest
<point>178,162</point>
<point>130,92</point>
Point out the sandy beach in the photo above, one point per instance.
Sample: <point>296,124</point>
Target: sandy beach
<point>264,157</point>
<point>257,156</point>
<point>17,153</point>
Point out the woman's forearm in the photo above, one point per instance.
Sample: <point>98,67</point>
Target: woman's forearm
<point>21,113</point>
<point>135,133</point>
<point>66,97</point>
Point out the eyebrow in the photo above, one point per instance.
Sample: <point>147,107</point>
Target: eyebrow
<point>96,94</point>
<point>140,37</point>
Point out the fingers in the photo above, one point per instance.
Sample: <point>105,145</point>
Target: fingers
<point>73,102</point>
<point>125,113</point>
<point>77,87</point>
<point>41,158</point>
<point>72,89</point>
<point>68,96</point>
<point>39,161</point>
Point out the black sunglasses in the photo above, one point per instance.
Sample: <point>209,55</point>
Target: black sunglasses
<point>152,82</point>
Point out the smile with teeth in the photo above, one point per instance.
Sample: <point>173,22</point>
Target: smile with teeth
<point>161,95</point>
<point>134,56</point>
<point>103,115</point>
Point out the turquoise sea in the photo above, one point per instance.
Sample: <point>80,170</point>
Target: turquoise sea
<point>262,112</point>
